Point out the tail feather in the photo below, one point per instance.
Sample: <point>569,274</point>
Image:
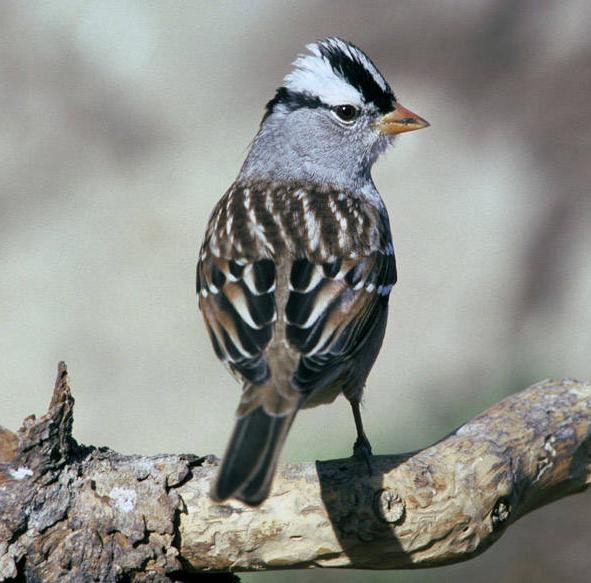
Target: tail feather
<point>251,458</point>
<point>259,482</point>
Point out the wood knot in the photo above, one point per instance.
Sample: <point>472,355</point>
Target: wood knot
<point>389,506</point>
<point>546,458</point>
<point>500,513</point>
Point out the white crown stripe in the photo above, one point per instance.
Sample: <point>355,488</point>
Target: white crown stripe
<point>314,75</point>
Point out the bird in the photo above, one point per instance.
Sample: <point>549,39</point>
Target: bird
<point>297,263</point>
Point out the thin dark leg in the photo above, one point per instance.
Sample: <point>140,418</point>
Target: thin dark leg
<point>362,447</point>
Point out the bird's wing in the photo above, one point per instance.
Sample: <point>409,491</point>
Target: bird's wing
<point>238,303</point>
<point>332,310</point>
<point>283,314</point>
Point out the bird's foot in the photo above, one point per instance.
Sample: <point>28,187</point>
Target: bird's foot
<point>362,452</point>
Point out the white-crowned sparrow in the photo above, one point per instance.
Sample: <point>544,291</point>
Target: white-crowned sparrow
<point>297,263</point>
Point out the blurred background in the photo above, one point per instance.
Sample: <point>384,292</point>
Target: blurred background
<point>121,124</point>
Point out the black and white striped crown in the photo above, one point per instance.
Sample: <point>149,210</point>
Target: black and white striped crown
<point>334,72</point>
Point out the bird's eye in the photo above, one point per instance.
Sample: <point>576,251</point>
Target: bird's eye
<point>346,113</point>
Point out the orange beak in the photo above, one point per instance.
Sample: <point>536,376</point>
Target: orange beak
<point>401,120</point>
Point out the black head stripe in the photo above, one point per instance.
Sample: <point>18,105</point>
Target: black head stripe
<point>349,63</point>
<point>292,100</point>
<point>350,68</point>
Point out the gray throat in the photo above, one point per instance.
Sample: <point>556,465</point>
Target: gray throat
<point>273,156</point>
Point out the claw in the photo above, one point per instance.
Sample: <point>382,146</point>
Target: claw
<point>362,452</point>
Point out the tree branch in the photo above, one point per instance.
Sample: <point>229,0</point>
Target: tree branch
<point>71,512</point>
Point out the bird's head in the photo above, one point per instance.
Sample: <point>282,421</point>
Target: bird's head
<point>331,119</point>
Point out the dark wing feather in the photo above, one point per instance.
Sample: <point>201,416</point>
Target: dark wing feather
<point>238,303</point>
<point>331,312</point>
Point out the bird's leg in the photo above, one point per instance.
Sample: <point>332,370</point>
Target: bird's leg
<point>362,447</point>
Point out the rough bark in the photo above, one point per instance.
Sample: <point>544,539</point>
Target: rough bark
<point>74,513</point>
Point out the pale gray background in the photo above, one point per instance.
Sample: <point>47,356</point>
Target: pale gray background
<point>121,123</point>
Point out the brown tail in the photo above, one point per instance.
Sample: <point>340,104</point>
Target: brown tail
<point>251,457</point>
